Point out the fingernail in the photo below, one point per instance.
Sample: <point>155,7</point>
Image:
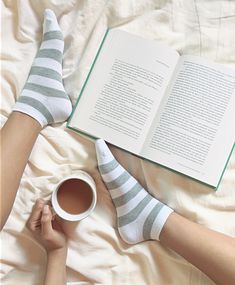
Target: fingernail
<point>46,209</point>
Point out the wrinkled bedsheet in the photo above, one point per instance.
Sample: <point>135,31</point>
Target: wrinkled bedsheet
<point>96,253</point>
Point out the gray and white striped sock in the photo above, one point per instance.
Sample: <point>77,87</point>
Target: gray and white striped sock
<point>43,96</point>
<point>140,216</point>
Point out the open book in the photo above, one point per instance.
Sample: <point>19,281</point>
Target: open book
<point>177,111</point>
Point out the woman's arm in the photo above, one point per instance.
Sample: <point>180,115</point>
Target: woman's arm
<point>48,232</point>
<point>56,267</point>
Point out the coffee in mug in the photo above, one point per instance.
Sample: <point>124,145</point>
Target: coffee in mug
<point>75,197</point>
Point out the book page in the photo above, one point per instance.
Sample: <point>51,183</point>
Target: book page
<point>124,89</point>
<point>195,131</point>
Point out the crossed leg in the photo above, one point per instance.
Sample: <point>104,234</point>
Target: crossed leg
<point>211,252</point>
<point>141,217</point>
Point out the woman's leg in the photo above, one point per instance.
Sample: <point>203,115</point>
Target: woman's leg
<point>43,101</point>
<point>212,252</point>
<point>18,136</point>
<point>142,217</point>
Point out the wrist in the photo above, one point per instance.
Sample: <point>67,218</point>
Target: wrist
<point>56,266</point>
<point>60,253</point>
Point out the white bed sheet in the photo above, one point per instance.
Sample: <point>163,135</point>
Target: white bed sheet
<point>96,254</point>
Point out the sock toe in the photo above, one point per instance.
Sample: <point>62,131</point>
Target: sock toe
<point>50,15</point>
<point>50,21</point>
<point>104,155</point>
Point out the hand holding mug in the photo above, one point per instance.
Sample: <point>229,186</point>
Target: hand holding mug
<point>46,228</point>
<point>73,200</point>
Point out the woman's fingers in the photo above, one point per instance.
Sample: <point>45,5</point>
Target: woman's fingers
<point>46,225</point>
<point>41,224</point>
<point>34,220</point>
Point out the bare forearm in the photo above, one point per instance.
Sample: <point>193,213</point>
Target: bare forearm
<point>56,267</point>
<point>213,253</point>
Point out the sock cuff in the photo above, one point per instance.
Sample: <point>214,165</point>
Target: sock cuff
<point>160,222</point>
<point>30,111</point>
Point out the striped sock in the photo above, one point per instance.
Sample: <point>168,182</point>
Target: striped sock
<point>43,96</point>
<point>140,216</point>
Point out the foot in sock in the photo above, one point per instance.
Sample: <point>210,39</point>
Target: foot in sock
<point>43,96</point>
<point>140,216</point>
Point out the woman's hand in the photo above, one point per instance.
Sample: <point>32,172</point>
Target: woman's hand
<point>46,227</point>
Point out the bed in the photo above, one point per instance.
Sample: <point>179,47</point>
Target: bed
<point>96,253</point>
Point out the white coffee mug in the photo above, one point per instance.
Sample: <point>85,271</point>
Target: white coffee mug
<point>85,177</point>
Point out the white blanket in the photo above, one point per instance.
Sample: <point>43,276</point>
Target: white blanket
<point>96,253</point>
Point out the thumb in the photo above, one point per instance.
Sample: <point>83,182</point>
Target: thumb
<point>46,225</point>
